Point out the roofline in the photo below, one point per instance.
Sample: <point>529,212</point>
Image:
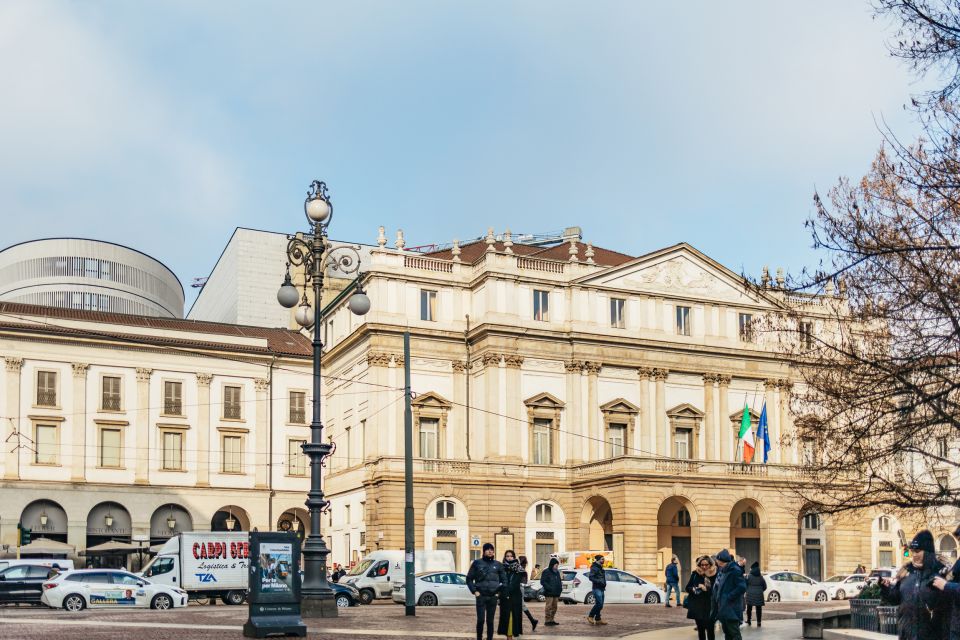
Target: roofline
<point>115,244</point>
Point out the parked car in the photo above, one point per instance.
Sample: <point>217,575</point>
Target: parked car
<point>533,590</point>
<point>786,586</point>
<point>843,587</point>
<point>436,589</point>
<point>23,583</point>
<point>62,564</point>
<point>622,587</point>
<point>103,588</point>
<point>345,595</point>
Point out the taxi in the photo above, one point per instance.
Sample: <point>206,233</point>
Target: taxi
<point>107,588</point>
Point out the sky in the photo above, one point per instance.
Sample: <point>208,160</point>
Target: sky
<point>165,125</point>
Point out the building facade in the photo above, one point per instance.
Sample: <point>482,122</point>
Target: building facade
<point>91,275</point>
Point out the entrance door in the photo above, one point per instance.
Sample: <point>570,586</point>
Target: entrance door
<point>681,549</point>
<point>812,563</point>
<point>452,548</point>
<point>544,549</point>
<point>749,548</point>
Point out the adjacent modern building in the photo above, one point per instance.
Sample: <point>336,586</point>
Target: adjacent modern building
<point>91,275</point>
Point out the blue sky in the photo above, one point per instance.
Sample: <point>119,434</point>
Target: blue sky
<point>164,125</point>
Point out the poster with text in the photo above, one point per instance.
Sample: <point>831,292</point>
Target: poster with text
<point>276,567</point>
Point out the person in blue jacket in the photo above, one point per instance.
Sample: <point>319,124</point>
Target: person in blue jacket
<point>672,574</point>
<point>950,585</point>
<point>726,605</point>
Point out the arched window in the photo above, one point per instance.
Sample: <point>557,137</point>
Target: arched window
<point>812,521</point>
<point>748,520</point>
<point>683,518</point>
<point>544,512</point>
<point>883,523</point>
<point>446,510</point>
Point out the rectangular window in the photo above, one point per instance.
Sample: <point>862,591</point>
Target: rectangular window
<point>46,388</point>
<point>173,398</point>
<point>172,450</point>
<point>298,407</point>
<point>681,444</point>
<point>806,335</point>
<point>616,439</point>
<point>296,460</point>
<point>346,514</point>
<point>616,313</point>
<point>541,305</point>
<point>46,444</point>
<point>232,452</point>
<point>885,557</point>
<point>428,305</point>
<point>110,396</point>
<point>429,428</point>
<point>542,441</point>
<point>110,448</point>
<point>231,402</point>
<point>746,327</point>
<point>683,321</point>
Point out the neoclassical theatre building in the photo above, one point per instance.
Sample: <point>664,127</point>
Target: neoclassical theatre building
<point>569,397</point>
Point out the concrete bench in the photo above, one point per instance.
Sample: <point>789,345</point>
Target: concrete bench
<point>816,620</point>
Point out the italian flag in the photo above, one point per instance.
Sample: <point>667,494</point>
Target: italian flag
<point>746,434</point>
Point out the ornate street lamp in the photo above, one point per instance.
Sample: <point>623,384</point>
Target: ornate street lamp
<point>43,518</point>
<point>108,520</point>
<point>230,522</point>
<point>315,254</point>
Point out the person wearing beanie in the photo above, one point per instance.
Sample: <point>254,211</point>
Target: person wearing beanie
<point>726,605</point>
<point>923,611</point>
<point>552,585</point>
<point>598,580</point>
<point>756,585</point>
<point>950,586</point>
<point>485,580</point>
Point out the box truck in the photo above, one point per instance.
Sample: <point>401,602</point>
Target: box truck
<point>375,574</point>
<point>204,564</point>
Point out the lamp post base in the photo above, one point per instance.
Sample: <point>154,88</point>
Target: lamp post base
<point>318,606</point>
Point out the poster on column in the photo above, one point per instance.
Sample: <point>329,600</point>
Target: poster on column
<point>276,568</point>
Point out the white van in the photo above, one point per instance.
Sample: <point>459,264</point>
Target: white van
<point>62,563</point>
<point>375,574</point>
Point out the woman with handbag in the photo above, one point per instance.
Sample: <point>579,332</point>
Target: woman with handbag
<point>698,596</point>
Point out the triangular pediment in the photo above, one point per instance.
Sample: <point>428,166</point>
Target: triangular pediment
<point>738,416</point>
<point>619,405</point>
<point>685,410</point>
<point>544,401</point>
<point>679,270</point>
<point>431,399</point>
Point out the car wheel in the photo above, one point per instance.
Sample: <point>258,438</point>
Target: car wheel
<point>343,601</point>
<point>773,597</point>
<point>589,599</point>
<point>161,601</point>
<point>841,595</point>
<point>428,600</point>
<point>821,596</point>
<point>652,598</point>
<point>366,596</point>
<point>234,597</point>
<point>74,602</point>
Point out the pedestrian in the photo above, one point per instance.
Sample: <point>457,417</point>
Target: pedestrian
<point>924,611</point>
<point>485,580</point>
<point>950,585</point>
<point>552,585</point>
<point>861,570</point>
<point>598,582</point>
<point>699,587</point>
<point>533,621</point>
<point>727,596</point>
<point>511,596</point>
<point>756,585</point>
<point>672,574</point>
<point>535,574</point>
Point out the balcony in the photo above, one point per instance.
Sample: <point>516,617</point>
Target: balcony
<point>298,416</point>
<point>111,403</point>
<point>46,398</point>
<point>172,408</point>
<point>231,411</point>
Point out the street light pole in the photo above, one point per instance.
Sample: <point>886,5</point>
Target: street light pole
<point>314,253</point>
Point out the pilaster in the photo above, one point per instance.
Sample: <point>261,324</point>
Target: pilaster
<point>261,434</point>
<point>709,417</point>
<point>11,456</point>
<point>663,446</point>
<point>203,429</point>
<point>78,422</point>
<point>514,403</point>
<point>457,429</point>
<point>571,436</point>
<point>142,469</point>
<point>491,385</point>
<point>596,438</point>
<point>723,420</point>
<point>645,438</point>
<point>773,421</point>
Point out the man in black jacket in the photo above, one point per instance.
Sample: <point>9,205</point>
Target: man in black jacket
<point>598,579</point>
<point>552,585</point>
<point>485,579</point>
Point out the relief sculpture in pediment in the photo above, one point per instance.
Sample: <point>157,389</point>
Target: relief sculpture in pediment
<point>678,275</point>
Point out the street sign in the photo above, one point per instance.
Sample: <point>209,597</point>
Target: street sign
<point>274,600</point>
<point>475,541</point>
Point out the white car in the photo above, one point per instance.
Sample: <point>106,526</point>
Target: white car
<point>438,588</point>
<point>622,587</point>
<point>843,587</point>
<point>787,586</point>
<point>107,588</point>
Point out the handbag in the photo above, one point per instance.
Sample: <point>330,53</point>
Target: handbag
<point>686,601</point>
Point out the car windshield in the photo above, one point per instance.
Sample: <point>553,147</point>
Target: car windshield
<point>836,579</point>
<point>360,568</point>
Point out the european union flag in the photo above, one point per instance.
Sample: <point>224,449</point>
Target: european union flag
<point>763,432</point>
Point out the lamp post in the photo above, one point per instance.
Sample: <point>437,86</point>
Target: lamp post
<point>315,254</point>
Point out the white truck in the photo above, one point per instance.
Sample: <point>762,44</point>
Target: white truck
<point>375,574</point>
<point>204,564</point>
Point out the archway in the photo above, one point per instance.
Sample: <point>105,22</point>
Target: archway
<point>747,525</point>
<point>230,518</point>
<point>45,519</point>
<point>446,525</point>
<point>545,531</point>
<point>295,519</point>
<point>947,546</point>
<point>813,543</point>
<point>677,532</point>
<point>596,524</point>
<point>167,521</point>
<point>108,522</point>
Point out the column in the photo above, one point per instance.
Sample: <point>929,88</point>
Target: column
<point>787,429</point>
<point>261,434</point>
<point>571,427</point>
<point>203,429</point>
<point>491,422</point>
<point>512,364</point>
<point>142,469</point>
<point>78,422</point>
<point>660,417</point>
<point>643,428</point>
<point>457,424</point>
<point>723,420</point>
<point>11,455</point>
<point>596,437</point>
<point>773,422</point>
<point>709,418</point>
